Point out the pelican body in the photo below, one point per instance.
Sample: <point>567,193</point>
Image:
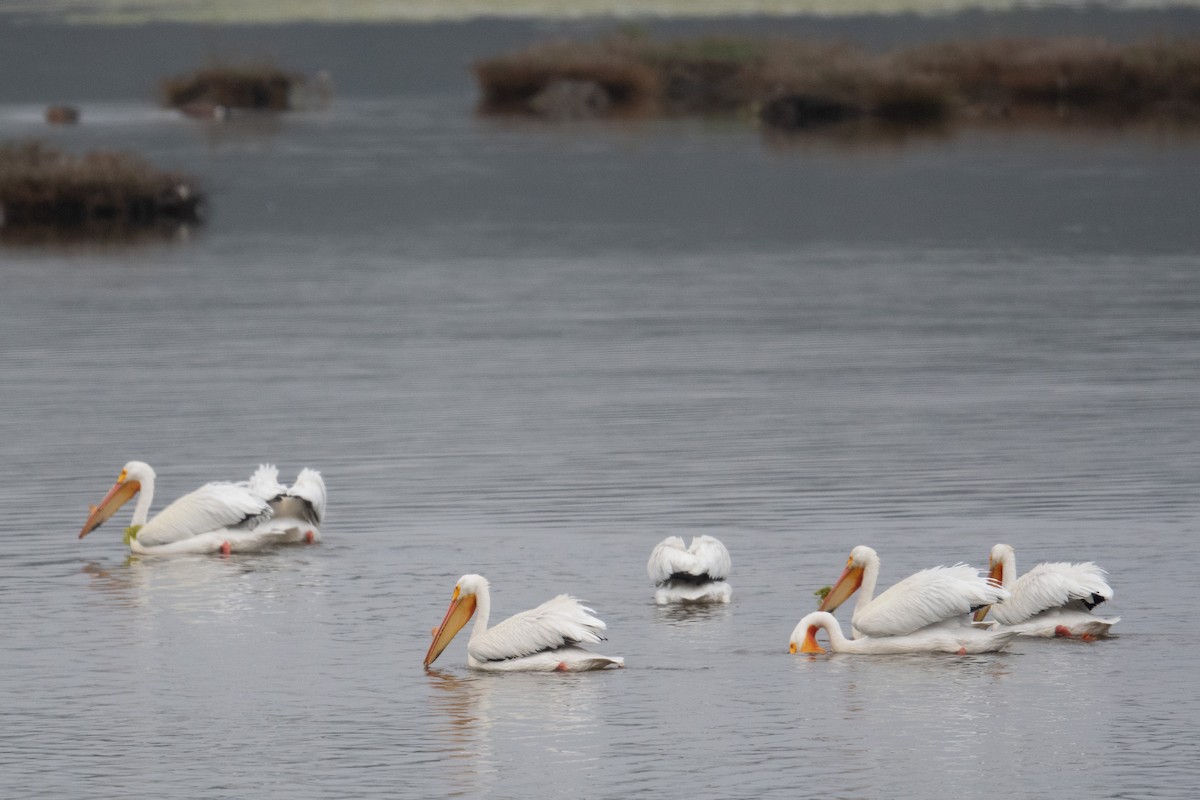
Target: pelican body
<point>543,639</point>
<point>939,596</point>
<point>693,575</point>
<point>217,517</point>
<point>1052,599</point>
<point>961,639</point>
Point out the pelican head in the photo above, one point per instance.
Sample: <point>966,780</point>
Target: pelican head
<point>129,482</point>
<point>804,637</point>
<point>462,607</point>
<point>1001,554</point>
<point>851,578</point>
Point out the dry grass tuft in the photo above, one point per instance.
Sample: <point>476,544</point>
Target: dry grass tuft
<point>243,87</point>
<point>510,84</point>
<point>41,186</point>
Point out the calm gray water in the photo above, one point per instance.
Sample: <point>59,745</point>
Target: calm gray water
<point>533,352</point>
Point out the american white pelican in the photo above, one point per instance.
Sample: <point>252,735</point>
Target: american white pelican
<point>543,639</point>
<point>693,575</point>
<point>961,639</point>
<point>942,596</point>
<point>1053,599</point>
<point>217,517</point>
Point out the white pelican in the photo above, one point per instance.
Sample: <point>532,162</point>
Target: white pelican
<point>941,596</point>
<point>1053,599</point>
<point>217,517</point>
<point>543,639</point>
<point>693,575</point>
<point>936,639</point>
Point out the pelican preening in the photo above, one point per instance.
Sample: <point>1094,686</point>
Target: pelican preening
<point>1053,599</point>
<point>959,639</point>
<point>217,517</point>
<point>543,639</point>
<point>929,610</point>
<point>693,575</point>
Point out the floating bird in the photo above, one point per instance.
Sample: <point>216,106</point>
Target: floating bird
<point>217,517</point>
<point>693,575</point>
<point>1052,599</point>
<point>940,596</point>
<point>543,639</point>
<point>935,639</point>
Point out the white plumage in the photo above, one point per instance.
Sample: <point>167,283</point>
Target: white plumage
<point>935,596</point>
<point>1052,599</point>
<point>299,508</point>
<point>545,638</point>
<point>960,639</point>
<point>693,575</point>
<point>217,517</point>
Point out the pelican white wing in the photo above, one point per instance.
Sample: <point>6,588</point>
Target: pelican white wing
<point>705,558</point>
<point>692,575</point>
<point>309,488</point>
<point>556,623</point>
<point>212,507</point>
<point>265,482</point>
<point>1053,585</point>
<point>926,598</point>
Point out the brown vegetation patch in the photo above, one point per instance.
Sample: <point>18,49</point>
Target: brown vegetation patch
<point>511,83</point>
<point>799,84</point>
<point>47,188</point>
<point>242,87</point>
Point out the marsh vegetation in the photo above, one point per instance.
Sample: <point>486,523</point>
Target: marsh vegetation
<point>793,84</point>
<point>96,193</point>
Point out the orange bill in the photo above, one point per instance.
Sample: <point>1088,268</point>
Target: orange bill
<point>847,584</point>
<point>117,496</point>
<point>995,575</point>
<point>461,609</point>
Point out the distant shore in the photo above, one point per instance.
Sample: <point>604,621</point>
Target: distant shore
<point>127,62</point>
<point>238,12</point>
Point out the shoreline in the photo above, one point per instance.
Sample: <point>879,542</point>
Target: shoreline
<point>236,12</point>
<point>390,58</point>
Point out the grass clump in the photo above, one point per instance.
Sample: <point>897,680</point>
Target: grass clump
<point>41,187</point>
<point>513,84</point>
<point>261,88</point>
<point>1085,75</point>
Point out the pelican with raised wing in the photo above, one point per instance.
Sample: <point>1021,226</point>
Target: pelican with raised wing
<point>216,518</point>
<point>935,639</point>
<point>695,574</point>
<point>1052,599</point>
<point>543,639</point>
<point>939,596</point>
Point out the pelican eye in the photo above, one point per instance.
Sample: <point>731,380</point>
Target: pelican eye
<point>121,477</point>
<point>454,596</point>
